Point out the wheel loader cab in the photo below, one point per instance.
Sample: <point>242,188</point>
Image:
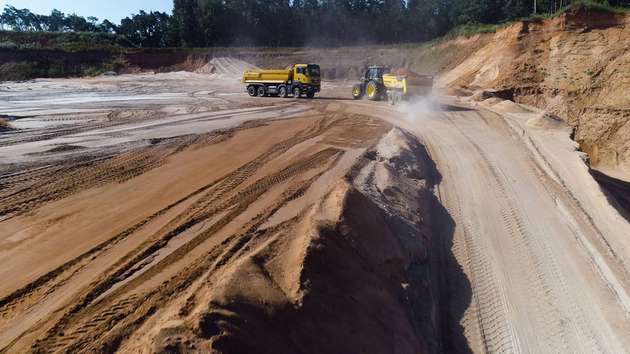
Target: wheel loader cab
<point>371,83</point>
<point>375,73</point>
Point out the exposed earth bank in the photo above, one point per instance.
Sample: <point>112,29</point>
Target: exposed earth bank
<point>575,66</point>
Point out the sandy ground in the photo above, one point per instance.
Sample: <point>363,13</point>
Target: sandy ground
<point>542,249</point>
<point>166,212</point>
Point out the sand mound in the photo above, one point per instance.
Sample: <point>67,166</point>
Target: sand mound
<point>225,67</point>
<point>508,106</point>
<point>545,120</point>
<point>333,281</point>
<point>492,101</point>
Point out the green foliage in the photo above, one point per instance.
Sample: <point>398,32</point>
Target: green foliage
<point>68,41</point>
<point>211,23</point>
<point>601,6</point>
<point>146,29</point>
<point>471,29</point>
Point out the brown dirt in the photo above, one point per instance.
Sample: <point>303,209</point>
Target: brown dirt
<point>207,241</point>
<point>575,66</point>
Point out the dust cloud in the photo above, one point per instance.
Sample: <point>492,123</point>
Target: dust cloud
<point>419,108</point>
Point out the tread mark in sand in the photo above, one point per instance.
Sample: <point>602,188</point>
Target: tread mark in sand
<point>248,196</point>
<point>544,298</point>
<point>490,331</point>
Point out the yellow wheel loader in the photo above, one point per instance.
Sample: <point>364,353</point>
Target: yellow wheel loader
<point>379,82</point>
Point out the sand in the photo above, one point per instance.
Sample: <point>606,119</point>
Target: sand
<point>173,213</point>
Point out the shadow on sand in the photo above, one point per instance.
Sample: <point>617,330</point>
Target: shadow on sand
<point>455,291</point>
<point>617,192</point>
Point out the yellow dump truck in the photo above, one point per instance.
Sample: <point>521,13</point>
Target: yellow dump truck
<point>400,87</point>
<point>298,80</point>
<point>379,82</point>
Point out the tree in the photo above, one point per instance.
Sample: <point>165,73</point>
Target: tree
<point>20,19</point>
<point>56,21</point>
<point>184,14</point>
<point>146,29</point>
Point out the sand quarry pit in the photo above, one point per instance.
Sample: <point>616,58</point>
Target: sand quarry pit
<point>173,213</point>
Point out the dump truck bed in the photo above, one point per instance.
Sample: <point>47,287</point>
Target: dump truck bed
<point>409,85</point>
<point>267,76</point>
<point>403,87</point>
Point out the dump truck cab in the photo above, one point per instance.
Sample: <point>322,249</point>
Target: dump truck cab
<point>371,83</point>
<point>298,80</point>
<point>307,74</point>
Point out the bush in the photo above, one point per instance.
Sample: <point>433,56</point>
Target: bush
<point>17,71</point>
<point>68,41</point>
<point>602,6</point>
<point>8,45</point>
<point>471,29</point>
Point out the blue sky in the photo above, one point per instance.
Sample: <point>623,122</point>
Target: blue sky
<point>113,10</point>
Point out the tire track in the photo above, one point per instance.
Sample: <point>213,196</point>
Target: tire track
<point>534,254</point>
<point>78,334</point>
<point>485,324</point>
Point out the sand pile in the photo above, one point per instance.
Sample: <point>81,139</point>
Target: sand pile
<point>309,240</point>
<point>507,106</point>
<point>225,67</point>
<point>547,121</point>
<point>336,278</point>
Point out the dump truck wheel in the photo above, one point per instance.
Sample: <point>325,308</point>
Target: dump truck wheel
<point>283,92</point>
<point>296,92</point>
<point>390,98</point>
<point>251,90</point>
<point>310,95</point>
<point>357,92</point>
<point>261,91</point>
<point>372,91</point>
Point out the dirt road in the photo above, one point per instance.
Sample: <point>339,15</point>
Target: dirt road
<point>542,249</point>
<point>151,212</point>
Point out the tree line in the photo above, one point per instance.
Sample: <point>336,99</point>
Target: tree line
<point>206,23</point>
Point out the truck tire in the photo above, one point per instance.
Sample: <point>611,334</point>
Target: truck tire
<point>296,92</point>
<point>261,91</point>
<point>372,91</point>
<point>283,91</point>
<point>357,92</point>
<point>310,95</point>
<point>391,99</point>
<point>251,90</point>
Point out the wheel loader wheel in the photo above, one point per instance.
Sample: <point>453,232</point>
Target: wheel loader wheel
<point>357,92</point>
<point>251,90</point>
<point>283,92</point>
<point>372,91</point>
<point>261,91</point>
